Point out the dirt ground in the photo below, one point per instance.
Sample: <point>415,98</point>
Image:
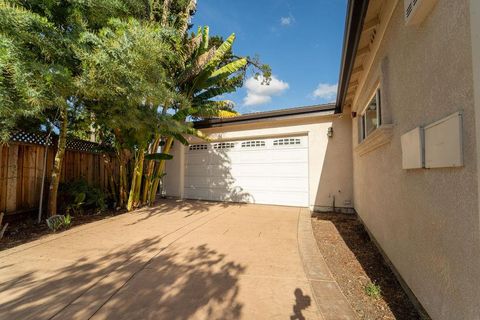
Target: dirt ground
<point>355,262</point>
<point>26,229</point>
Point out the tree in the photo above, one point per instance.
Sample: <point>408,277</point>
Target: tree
<point>125,78</point>
<point>38,63</point>
<point>126,68</point>
<point>210,70</point>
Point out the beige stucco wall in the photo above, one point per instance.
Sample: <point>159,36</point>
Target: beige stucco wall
<point>475,35</point>
<point>330,162</point>
<point>426,221</point>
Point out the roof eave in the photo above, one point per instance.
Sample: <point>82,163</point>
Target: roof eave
<point>262,116</point>
<point>356,12</point>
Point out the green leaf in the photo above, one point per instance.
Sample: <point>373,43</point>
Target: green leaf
<point>224,72</point>
<point>181,139</point>
<point>182,114</point>
<point>216,109</point>
<point>158,156</point>
<point>222,51</point>
<point>212,93</point>
<point>205,37</point>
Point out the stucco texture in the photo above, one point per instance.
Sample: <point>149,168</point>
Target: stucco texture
<point>330,162</point>
<point>426,221</point>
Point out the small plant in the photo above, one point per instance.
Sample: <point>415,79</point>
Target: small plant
<point>76,206</point>
<point>373,290</point>
<point>58,222</point>
<point>2,229</point>
<point>78,196</point>
<point>67,221</point>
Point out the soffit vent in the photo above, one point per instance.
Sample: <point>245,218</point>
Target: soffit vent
<point>417,10</point>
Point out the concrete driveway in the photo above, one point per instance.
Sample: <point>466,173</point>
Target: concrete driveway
<point>179,260</point>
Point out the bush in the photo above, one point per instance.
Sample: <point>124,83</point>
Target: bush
<point>78,196</point>
<point>373,290</point>
<point>58,222</point>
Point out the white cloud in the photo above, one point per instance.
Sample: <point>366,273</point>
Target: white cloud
<point>286,21</point>
<point>258,93</point>
<point>326,92</point>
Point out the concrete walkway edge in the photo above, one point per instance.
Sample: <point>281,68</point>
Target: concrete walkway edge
<point>330,300</point>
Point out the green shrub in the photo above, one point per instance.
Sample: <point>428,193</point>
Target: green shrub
<point>373,290</point>
<point>77,196</point>
<point>58,222</point>
<point>78,202</point>
<point>67,221</point>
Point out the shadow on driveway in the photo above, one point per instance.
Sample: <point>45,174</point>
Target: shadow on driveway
<point>130,284</point>
<point>189,207</point>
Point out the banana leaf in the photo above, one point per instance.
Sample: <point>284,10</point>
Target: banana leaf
<point>158,156</point>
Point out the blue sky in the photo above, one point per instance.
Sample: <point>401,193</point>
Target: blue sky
<point>301,40</point>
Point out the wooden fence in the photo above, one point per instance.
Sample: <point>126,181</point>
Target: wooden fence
<point>22,166</point>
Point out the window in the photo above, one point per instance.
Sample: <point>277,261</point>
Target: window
<point>253,144</point>
<point>223,145</point>
<point>370,118</point>
<point>198,147</point>
<point>286,141</point>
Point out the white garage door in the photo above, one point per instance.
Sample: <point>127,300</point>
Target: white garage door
<point>266,171</point>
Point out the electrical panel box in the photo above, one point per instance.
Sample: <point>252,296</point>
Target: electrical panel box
<point>412,149</point>
<point>444,142</point>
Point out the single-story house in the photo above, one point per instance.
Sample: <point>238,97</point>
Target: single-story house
<point>400,147</point>
<point>281,157</point>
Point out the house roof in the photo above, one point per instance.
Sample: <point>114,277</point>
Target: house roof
<point>266,115</point>
<point>356,12</point>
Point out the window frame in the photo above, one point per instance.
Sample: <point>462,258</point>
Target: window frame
<point>363,118</point>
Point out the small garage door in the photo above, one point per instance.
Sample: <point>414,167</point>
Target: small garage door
<point>265,171</point>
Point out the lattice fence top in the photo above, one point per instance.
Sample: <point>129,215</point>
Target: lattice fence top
<point>39,138</point>
<point>31,138</point>
<point>86,146</point>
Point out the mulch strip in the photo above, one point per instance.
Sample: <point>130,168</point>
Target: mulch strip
<point>355,262</point>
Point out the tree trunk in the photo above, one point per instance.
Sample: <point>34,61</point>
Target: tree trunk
<point>185,16</point>
<point>159,171</point>
<point>111,180</point>
<point>149,172</point>
<point>123,183</point>
<point>135,187</point>
<point>57,166</point>
<point>165,12</point>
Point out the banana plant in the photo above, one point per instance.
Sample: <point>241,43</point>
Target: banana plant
<point>210,71</point>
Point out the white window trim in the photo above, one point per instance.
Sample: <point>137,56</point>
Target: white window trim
<point>363,132</point>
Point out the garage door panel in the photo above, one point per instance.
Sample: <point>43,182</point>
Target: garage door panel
<point>269,155</point>
<point>270,171</point>
<point>245,156</point>
<point>235,195</point>
<point>248,183</point>
<point>293,198</point>
<point>250,170</point>
<point>208,182</point>
<point>207,170</point>
<point>272,183</point>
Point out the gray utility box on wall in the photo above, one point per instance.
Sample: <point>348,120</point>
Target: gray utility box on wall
<point>444,143</point>
<point>438,145</point>
<point>412,149</point>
